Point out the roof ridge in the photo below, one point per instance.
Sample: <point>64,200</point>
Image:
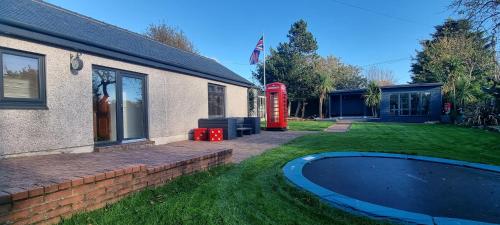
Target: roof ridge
<point>114,26</point>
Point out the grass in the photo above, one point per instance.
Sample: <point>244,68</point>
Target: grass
<point>306,125</point>
<point>255,191</point>
<point>309,125</point>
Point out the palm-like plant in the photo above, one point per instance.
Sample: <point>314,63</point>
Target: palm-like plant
<point>373,96</point>
<point>325,85</point>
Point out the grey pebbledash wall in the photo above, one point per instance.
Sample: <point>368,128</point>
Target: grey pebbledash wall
<point>175,103</point>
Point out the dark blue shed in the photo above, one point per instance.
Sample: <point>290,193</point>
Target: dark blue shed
<point>400,103</point>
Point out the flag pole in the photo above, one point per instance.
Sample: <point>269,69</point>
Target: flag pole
<point>264,51</point>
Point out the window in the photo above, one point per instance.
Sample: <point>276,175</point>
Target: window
<point>22,80</point>
<point>404,104</point>
<point>216,101</point>
<point>425,104</point>
<point>275,110</point>
<point>104,104</point>
<point>394,104</point>
<point>414,104</point>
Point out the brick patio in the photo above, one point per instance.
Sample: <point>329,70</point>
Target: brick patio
<point>46,188</point>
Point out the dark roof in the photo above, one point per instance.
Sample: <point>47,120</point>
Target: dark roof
<point>361,90</point>
<point>49,24</point>
<point>357,90</point>
<point>413,85</point>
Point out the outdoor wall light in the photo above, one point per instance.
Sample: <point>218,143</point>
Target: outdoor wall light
<point>76,64</point>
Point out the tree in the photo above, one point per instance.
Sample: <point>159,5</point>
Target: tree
<point>301,40</point>
<point>349,77</point>
<point>485,16</point>
<point>458,57</point>
<point>380,76</point>
<point>324,71</point>
<point>171,36</point>
<point>373,96</point>
<point>483,13</point>
<point>450,29</point>
<point>291,63</point>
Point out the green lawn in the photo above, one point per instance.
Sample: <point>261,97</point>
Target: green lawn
<point>255,191</point>
<point>306,125</point>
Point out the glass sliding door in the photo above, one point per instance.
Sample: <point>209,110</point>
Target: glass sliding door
<point>133,109</point>
<point>104,105</point>
<point>119,106</point>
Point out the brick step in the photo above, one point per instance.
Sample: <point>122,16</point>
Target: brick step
<point>125,146</point>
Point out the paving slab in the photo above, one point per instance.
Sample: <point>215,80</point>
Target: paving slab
<point>341,126</point>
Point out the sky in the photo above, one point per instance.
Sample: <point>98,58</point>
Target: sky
<point>366,33</point>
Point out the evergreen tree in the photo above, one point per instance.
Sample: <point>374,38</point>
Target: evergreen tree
<point>458,57</point>
<point>291,63</point>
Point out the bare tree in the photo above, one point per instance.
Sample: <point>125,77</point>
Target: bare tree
<point>380,76</point>
<point>172,36</point>
<point>483,13</point>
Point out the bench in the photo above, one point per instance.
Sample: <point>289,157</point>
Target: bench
<point>242,130</point>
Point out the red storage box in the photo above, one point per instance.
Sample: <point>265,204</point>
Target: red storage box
<point>216,134</point>
<point>200,134</point>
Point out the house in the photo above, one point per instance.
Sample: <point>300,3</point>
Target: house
<point>400,103</point>
<point>70,83</point>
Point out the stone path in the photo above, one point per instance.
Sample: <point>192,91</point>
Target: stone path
<point>341,126</point>
<point>26,172</point>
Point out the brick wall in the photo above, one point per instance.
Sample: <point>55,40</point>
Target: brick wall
<point>50,203</point>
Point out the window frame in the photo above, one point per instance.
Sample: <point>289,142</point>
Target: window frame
<point>24,103</point>
<point>119,73</point>
<point>394,112</point>
<point>401,109</point>
<point>224,104</point>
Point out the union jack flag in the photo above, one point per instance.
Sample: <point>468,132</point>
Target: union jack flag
<point>254,58</point>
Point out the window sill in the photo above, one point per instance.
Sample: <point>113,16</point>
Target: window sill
<point>23,106</point>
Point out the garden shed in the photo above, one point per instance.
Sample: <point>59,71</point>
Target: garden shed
<point>400,103</point>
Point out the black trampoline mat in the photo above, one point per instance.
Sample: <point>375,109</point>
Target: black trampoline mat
<point>435,189</point>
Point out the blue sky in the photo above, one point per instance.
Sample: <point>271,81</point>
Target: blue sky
<point>360,32</point>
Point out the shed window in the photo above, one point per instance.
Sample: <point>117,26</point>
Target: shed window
<point>22,84</point>
<point>216,101</point>
<point>424,107</point>
<point>394,104</point>
<point>404,104</point>
<point>414,104</point>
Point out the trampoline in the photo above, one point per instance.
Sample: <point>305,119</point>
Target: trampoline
<point>402,188</point>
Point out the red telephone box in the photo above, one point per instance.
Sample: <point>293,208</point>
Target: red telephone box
<point>277,110</point>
